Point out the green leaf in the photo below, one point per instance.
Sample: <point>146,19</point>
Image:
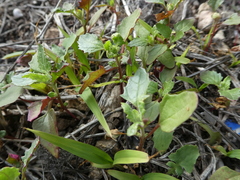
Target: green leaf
<point>214,136</point>
<point>156,1</point>
<point>37,77</point>
<point>19,80</point>
<point>136,88</point>
<point>211,77</point>
<point>90,43</point>
<point>39,62</point>
<point>130,157</point>
<point>225,84</point>
<point>9,173</point>
<point>167,87</point>
<point>162,139</point>
<point>184,25</point>
<point>164,30</point>
<point>97,15</point>
<point>18,53</point>
<point>122,175</point>
<point>2,133</point>
<point>132,130</point>
<point>224,173</point>
<point>132,114</point>
<point>155,52</point>
<point>28,154</point>
<point>167,59</point>
<point>234,153</point>
<point>187,79</point>
<point>214,4</point>
<point>182,60</point>
<point>138,42</point>
<point>79,149</point>
<point>10,95</point>
<point>232,94</point>
<point>167,74</point>
<point>175,109</point>
<point>178,35</point>
<point>175,169</point>
<point>186,157</point>
<point>128,24</point>
<point>47,123</point>
<point>68,42</point>
<point>233,20</point>
<point>152,111</point>
<point>152,87</point>
<point>158,176</point>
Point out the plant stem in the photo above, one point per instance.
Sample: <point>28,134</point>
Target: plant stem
<point>152,131</point>
<point>142,139</point>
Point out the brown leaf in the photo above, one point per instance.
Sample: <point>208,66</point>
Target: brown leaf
<point>163,15</point>
<point>84,4</point>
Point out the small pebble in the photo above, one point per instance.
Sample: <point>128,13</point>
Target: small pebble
<point>17,13</point>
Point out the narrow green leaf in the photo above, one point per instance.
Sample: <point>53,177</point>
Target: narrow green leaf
<point>79,149</point>
<point>234,153</point>
<point>162,139</point>
<point>18,53</point>
<point>138,42</point>
<point>220,149</point>
<point>97,15</point>
<point>214,136</point>
<point>19,80</point>
<point>232,94</point>
<point>137,86</point>
<point>122,175</point>
<point>9,173</point>
<point>90,43</point>
<point>182,60</point>
<point>68,42</point>
<point>39,62</point>
<point>130,157</point>
<point>214,4</point>
<point>158,176</point>
<point>211,77</point>
<point>156,1</point>
<point>186,157</point>
<point>175,109</point>
<point>128,24</point>
<point>187,79</point>
<point>47,123</point>
<point>10,95</point>
<point>37,77</point>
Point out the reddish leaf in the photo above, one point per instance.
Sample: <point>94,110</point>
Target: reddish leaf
<point>84,4</point>
<point>163,15</point>
<point>24,60</point>
<point>93,76</point>
<point>36,108</point>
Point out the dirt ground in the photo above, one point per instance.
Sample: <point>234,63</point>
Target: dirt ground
<point>22,21</point>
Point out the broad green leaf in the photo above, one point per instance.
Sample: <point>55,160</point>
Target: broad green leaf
<point>19,80</point>
<point>2,133</point>
<point>156,1</point>
<point>225,83</point>
<point>90,43</point>
<point>184,25</point>
<point>164,30</point>
<point>132,130</point>
<point>142,53</point>
<point>225,173</point>
<point>138,42</point>
<point>214,4</point>
<point>47,123</point>
<point>178,35</point>
<point>41,87</point>
<point>175,169</point>
<point>28,154</point>
<point>182,60</point>
<point>234,153</point>
<point>137,86</point>
<point>158,176</point>
<point>232,94</point>
<point>233,20</point>
<point>167,74</point>
<point>186,157</point>
<point>97,15</point>
<point>152,87</point>
<point>10,95</point>
<point>122,175</point>
<point>79,149</point>
<point>142,29</point>
<point>211,77</point>
<point>175,109</point>
<point>130,157</point>
<point>68,42</point>
<point>155,52</point>
<point>39,62</point>
<point>167,59</point>
<point>9,173</point>
<point>187,79</point>
<point>162,139</point>
<point>128,24</point>
<point>152,111</point>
